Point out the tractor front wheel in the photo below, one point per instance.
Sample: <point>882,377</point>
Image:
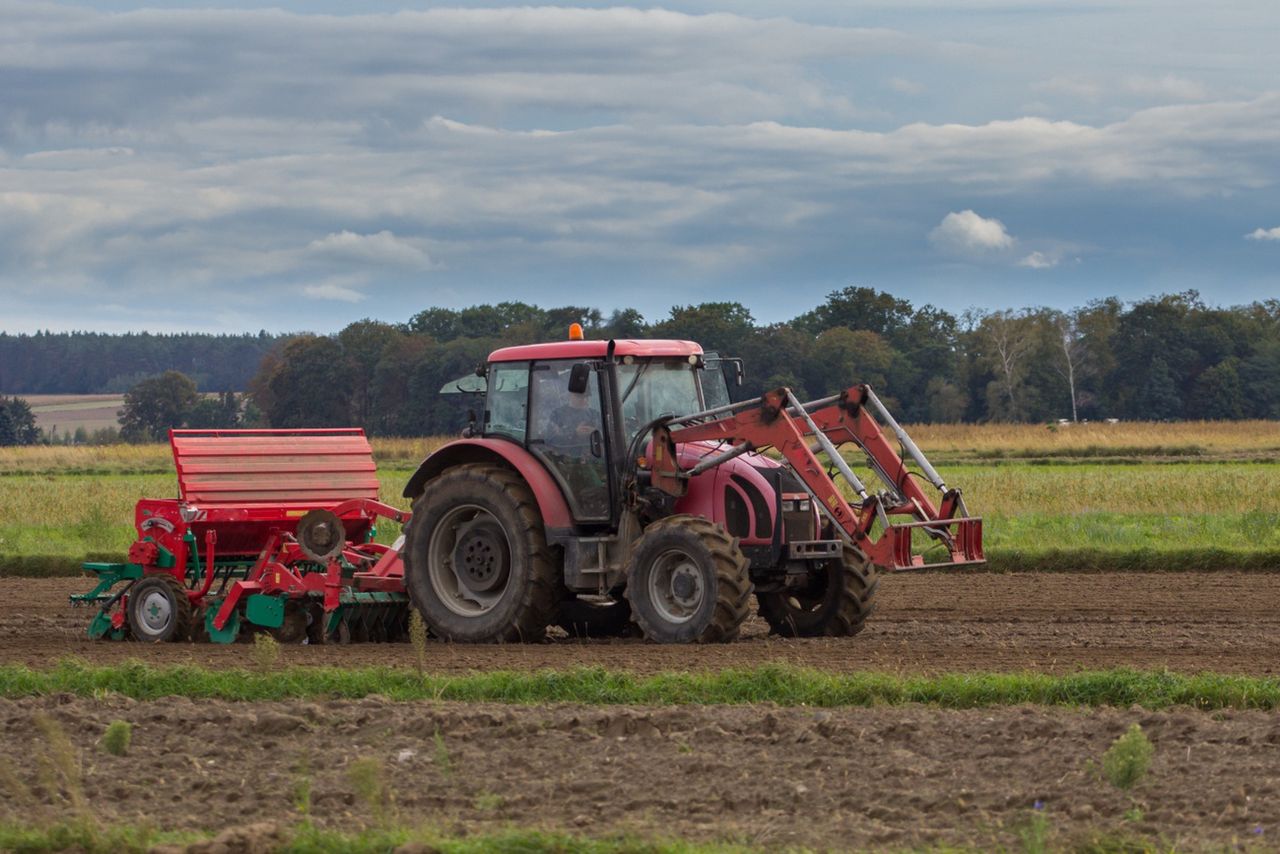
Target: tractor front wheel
<point>687,582</point>
<point>159,610</point>
<point>836,602</point>
<point>477,566</point>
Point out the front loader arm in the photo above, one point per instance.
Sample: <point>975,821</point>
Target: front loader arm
<point>799,432</point>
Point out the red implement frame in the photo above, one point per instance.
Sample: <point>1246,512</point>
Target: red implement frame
<point>245,490</point>
<point>802,431</point>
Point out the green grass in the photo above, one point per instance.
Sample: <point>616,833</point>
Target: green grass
<point>783,685</point>
<point>92,838</point>
<point>1088,516</point>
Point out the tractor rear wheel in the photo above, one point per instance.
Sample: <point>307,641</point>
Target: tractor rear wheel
<point>687,582</point>
<point>837,602</point>
<point>477,566</point>
<point>159,610</point>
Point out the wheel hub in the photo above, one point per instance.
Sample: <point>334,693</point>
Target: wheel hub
<point>156,611</point>
<point>480,557</point>
<point>469,560</point>
<point>684,586</point>
<point>676,586</point>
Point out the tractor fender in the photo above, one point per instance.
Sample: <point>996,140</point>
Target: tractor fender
<point>551,503</point>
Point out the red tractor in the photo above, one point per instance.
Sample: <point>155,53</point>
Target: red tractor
<point>612,488</point>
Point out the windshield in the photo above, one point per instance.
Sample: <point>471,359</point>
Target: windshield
<point>654,388</point>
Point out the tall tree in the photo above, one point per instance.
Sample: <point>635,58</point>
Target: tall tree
<point>720,326</point>
<point>17,422</point>
<point>156,405</point>
<point>1008,336</point>
<point>309,385</point>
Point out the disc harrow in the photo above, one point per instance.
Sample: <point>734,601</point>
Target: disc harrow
<point>273,531</point>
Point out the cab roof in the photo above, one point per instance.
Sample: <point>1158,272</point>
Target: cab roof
<point>596,350</point>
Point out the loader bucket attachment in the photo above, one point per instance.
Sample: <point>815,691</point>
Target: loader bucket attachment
<point>805,434</point>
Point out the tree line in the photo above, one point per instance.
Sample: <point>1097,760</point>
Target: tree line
<point>101,363</point>
<point>1164,358</point>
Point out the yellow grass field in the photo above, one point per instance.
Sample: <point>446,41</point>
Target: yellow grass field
<point>1188,439</point>
<point>1213,437</point>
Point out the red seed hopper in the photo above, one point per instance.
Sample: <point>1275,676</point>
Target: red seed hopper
<point>271,530</point>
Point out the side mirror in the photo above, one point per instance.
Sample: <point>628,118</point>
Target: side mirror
<point>579,376</point>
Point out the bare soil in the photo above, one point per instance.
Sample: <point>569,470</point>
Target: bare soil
<point>853,778</point>
<point>932,622</point>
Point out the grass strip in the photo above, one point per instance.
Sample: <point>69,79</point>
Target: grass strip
<point>91,838</point>
<point>780,684</point>
<point>1146,560</point>
<point>1001,560</point>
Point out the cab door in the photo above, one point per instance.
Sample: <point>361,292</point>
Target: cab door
<point>567,432</point>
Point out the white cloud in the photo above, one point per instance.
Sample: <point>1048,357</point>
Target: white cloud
<point>1167,87</point>
<point>333,290</point>
<point>1264,234</point>
<point>906,87</point>
<point>1038,261</point>
<point>382,248</point>
<point>967,231</point>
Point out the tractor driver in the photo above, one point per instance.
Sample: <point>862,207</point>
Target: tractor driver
<point>568,431</point>
<point>570,426</point>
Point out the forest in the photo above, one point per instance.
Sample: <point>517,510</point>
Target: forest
<point>1169,357</point>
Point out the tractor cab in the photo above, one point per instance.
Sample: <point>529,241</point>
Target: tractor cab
<point>578,405</point>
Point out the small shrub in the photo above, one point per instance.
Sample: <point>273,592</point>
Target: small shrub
<point>442,760</point>
<point>418,637</point>
<point>1127,759</point>
<point>266,651</point>
<point>117,737</point>
<point>59,767</point>
<point>368,777</point>
<point>302,794</point>
<point>1034,834</point>
<point>488,801</point>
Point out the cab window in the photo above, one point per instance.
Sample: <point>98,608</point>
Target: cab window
<point>506,409</point>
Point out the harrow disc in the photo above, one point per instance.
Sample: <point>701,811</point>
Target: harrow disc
<point>321,535</point>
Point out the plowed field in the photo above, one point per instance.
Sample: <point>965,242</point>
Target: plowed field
<point>830,779</point>
<point>1190,622</point>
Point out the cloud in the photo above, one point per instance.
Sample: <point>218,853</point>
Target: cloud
<point>333,290</point>
<point>1167,87</point>
<point>383,248</point>
<point>1092,88</point>
<point>1264,234</point>
<point>249,154</point>
<point>966,231</point>
<point>904,86</point>
<point>1038,261</point>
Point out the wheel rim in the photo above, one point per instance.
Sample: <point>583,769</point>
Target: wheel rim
<point>155,611</point>
<point>676,586</point>
<point>469,560</point>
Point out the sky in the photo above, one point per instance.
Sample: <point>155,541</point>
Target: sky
<point>230,167</point>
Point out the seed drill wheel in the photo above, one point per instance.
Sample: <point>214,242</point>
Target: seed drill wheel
<point>294,628</point>
<point>837,602</point>
<point>687,582</point>
<point>159,610</point>
<point>477,565</point>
